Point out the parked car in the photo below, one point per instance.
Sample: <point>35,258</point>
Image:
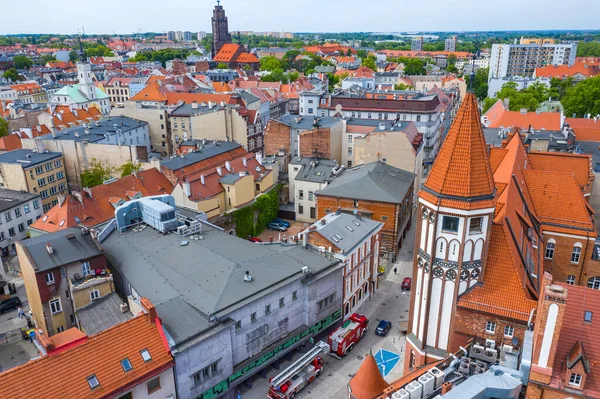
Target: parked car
<point>383,327</point>
<point>276,226</point>
<point>9,304</point>
<point>254,239</point>
<point>281,221</point>
<point>406,283</point>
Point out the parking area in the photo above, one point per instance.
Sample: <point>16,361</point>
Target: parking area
<point>294,229</point>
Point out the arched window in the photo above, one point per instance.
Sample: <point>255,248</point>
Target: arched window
<point>550,249</point>
<point>359,294</point>
<point>347,308</point>
<point>594,283</point>
<point>571,279</point>
<point>576,254</point>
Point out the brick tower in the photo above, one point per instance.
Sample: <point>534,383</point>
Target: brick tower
<point>220,29</point>
<point>456,207</point>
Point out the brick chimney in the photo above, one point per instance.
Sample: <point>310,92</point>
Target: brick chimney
<point>149,307</point>
<point>446,386</point>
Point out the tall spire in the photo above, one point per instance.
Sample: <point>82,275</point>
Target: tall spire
<point>462,170</point>
<point>367,383</point>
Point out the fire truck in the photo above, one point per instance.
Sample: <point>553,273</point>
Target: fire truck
<point>343,339</point>
<point>303,371</point>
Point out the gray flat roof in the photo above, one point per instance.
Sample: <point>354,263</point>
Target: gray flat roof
<point>97,133</point>
<point>209,150</point>
<point>188,109</point>
<point>68,245</point>
<point>307,122</point>
<point>28,158</point>
<point>102,314</point>
<point>316,170</point>
<point>206,276</point>
<point>346,231</point>
<point>389,124</point>
<point>376,181</point>
<point>230,178</point>
<point>12,198</point>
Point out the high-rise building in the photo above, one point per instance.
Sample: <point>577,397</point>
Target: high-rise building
<point>220,29</point>
<point>201,35</point>
<point>450,44</point>
<point>537,40</point>
<point>171,35</point>
<point>417,43</point>
<point>187,36</point>
<point>522,59</point>
<point>179,35</point>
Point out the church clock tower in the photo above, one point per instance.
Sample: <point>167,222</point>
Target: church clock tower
<point>220,29</point>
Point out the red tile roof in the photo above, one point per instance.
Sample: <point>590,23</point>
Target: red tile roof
<point>367,383</point>
<point>247,58</point>
<point>10,142</point>
<point>462,168</point>
<point>563,71</point>
<point>227,53</point>
<point>579,165</point>
<point>585,129</point>
<point>65,375</point>
<point>498,116</point>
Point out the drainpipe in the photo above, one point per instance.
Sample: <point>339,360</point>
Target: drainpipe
<point>531,317</point>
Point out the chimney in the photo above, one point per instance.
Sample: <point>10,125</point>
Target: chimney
<point>244,162</point>
<point>149,307</point>
<point>61,200</point>
<point>202,179</point>
<point>194,104</point>
<point>259,158</point>
<point>39,145</point>
<point>228,166</point>
<point>446,387</point>
<point>49,249</point>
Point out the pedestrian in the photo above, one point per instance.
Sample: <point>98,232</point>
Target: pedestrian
<point>395,270</point>
<point>19,312</point>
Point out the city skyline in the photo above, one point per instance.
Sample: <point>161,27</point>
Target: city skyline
<point>307,16</point>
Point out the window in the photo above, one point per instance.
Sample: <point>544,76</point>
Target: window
<point>60,175</point>
<point>475,225</point>
<point>311,196</point>
<point>26,208</point>
<point>490,327</point>
<point>594,283</point>
<point>44,194</point>
<point>61,186</point>
<point>21,228</point>
<point>94,295</point>
<point>60,329</point>
<point>8,216</point>
<point>93,381</point>
<point>349,139</point>
<point>300,194</point>
<point>11,232</point>
<point>575,379</point>
<point>51,178</point>
<point>294,295</point>
<point>39,170</point>
<point>550,250</point>
<point>281,302</point>
<point>253,318</point>
<point>575,254</point>
<point>450,224</point>
<point>146,355</point>
<point>153,385</point>
<point>509,331</point>
<point>55,306</point>
<point>301,209</point>
<point>86,269</point>
<point>57,163</point>
<point>383,217</point>
<point>53,190</point>
<point>2,237</point>
<point>126,364</point>
<point>238,325</point>
<point>571,279</point>
<point>349,151</point>
<point>46,208</point>
<point>36,204</point>
<point>356,203</point>
<point>587,316</point>
<point>267,309</point>
<point>42,182</point>
<point>18,212</point>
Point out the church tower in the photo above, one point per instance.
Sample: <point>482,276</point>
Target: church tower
<point>220,29</point>
<point>456,208</point>
<point>84,75</point>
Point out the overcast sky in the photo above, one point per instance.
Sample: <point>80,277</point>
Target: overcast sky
<point>127,16</point>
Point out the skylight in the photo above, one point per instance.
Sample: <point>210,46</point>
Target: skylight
<point>126,365</point>
<point>146,355</point>
<point>587,316</point>
<point>349,228</point>
<point>93,381</point>
<point>335,239</point>
<point>356,223</point>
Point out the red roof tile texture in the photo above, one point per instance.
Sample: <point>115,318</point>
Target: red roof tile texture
<point>498,116</point>
<point>578,164</point>
<point>368,382</point>
<point>585,129</point>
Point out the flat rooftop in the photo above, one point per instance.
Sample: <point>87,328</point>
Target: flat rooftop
<point>98,130</point>
<point>28,158</point>
<point>12,198</point>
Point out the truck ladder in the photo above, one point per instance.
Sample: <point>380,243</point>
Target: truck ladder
<point>298,365</point>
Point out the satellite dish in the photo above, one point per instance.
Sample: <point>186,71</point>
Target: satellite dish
<point>515,341</point>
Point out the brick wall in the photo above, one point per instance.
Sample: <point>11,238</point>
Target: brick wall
<point>316,239</point>
<point>276,136</point>
<point>560,265</point>
<point>316,143</point>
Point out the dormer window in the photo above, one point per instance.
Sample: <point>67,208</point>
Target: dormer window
<point>575,379</point>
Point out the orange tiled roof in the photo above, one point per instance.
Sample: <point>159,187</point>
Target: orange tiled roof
<point>561,71</point>
<point>462,170</point>
<point>367,383</point>
<point>10,142</point>
<point>578,164</point>
<point>65,375</point>
<point>585,129</point>
<point>153,92</point>
<point>227,52</point>
<point>498,116</point>
<point>62,115</point>
<point>221,87</point>
<point>247,58</point>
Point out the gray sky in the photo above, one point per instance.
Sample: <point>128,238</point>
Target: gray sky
<point>127,16</point>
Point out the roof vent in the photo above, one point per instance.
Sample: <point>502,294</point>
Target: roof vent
<point>49,249</point>
<point>323,222</point>
<point>70,236</point>
<point>247,277</point>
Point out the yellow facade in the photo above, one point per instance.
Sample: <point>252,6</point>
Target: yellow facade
<point>31,288</point>
<point>82,295</point>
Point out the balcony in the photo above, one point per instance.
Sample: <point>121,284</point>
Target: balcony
<point>97,277</point>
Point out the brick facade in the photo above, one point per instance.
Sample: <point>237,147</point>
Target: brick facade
<point>276,137</point>
<point>316,143</point>
<point>561,267</point>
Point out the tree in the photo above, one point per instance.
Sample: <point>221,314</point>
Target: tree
<point>44,59</point>
<point>22,62</point>
<point>451,59</point>
<point>583,98</point>
<point>293,76</point>
<point>452,68</point>
<point>269,63</point>
<point>589,49</point>
<point>222,65</point>
<point>558,88</point>
<point>361,54</point>
<point>370,63</point>
<point>349,52</point>
<point>73,56</point>
<point>12,75</point>
<point>480,86</point>
<point>414,66</point>
<point>95,174</point>
<point>98,51</point>
<point>3,128</point>
<point>401,86</point>
<point>276,75</point>
<point>129,167</point>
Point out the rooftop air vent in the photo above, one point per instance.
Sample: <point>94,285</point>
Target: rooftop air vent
<point>247,277</point>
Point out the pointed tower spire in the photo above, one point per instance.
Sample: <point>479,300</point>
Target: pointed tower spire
<point>368,382</point>
<point>462,170</point>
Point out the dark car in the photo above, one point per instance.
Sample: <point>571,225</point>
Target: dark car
<point>406,283</point>
<point>276,226</point>
<point>254,239</point>
<point>383,327</point>
<point>281,221</point>
<point>9,304</point>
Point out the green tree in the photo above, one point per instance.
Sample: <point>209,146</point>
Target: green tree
<point>451,59</point>
<point>222,65</point>
<point>583,98</point>
<point>293,76</point>
<point>480,86</point>
<point>452,68</point>
<point>589,49</point>
<point>269,63</point>
<point>98,51</point>
<point>276,75</point>
<point>73,56</point>
<point>349,52</point>
<point>361,54</point>
<point>558,88</point>
<point>22,62</point>
<point>370,63</point>
<point>12,75</point>
<point>3,127</point>
<point>129,167</point>
<point>415,66</point>
<point>400,86</point>
<point>44,59</point>
<point>95,174</point>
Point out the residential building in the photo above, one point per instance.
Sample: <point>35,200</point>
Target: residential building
<point>178,36</point>
<point>120,90</point>
<point>215,177</point>
<point>354,240</point>
<point>307,176</point>
<point>171,36</point>
<point>585,129</point>
<point>128,360</point>
<point>537,40</point>
<point>30,92</point>
<point>18,210</point>
<point>416,43</point>
<point>578,71</point>
<point>84,94</point>
<point>187,36</point>
<point>265,301</point>
<point>220,30</point>
<point>499,116</point>
<point>200,36</point>
<point>62,271</point>
<point>523,59</point>
<point>60,117</point>
<point>450,44</point>
<point>305,136</point>
<point>397,144</point>
<point>39,173</point>
<point>377,191</point>
<point>94,207</point>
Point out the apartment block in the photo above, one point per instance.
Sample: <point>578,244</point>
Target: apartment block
<point>523,59</point>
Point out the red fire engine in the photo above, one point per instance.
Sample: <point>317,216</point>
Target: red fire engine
<point>343,339</point>
<point>290,381</point>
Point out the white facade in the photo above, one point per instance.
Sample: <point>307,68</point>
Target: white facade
<point>302,192</point>
<point>523,59</point>
<point>86,83</point>
<point>15,220</point>
<point>309,103</point>
<point>166,382</point>
<point>139,136</point>
<point>481,63</point>
<point>363,83</point>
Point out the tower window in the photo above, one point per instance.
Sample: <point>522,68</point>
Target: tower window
<point>475,225</point>
<point>450,224</point>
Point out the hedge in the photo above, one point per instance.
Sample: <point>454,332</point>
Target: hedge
<point>251,220</point>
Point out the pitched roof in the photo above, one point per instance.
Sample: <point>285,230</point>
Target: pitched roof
<point>247,58</point>
<point>562,71</point>
<point>585,129</point>
<point>498,116</point>
<point>462,170</point>
<point>578,164</point>
<point>65,375</point>
<point>10,142</point>
<point>227,53</point>
<point>367,383</point>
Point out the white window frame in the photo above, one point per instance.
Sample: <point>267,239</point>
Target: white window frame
<point>509,331</point>
<point>570,279</point>
<point>86,268</point>
<point>50,278</point>
<point>576,254</point>
<point>54,309</point>
<point>94,295</point>
<point>575,379</point>
<point>550,247</point>
<point>594,283</point>
<point>490,327</point>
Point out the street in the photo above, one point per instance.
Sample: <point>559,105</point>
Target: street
<point>389,303</point>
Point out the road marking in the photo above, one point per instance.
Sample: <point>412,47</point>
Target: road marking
<point>386,361</point>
